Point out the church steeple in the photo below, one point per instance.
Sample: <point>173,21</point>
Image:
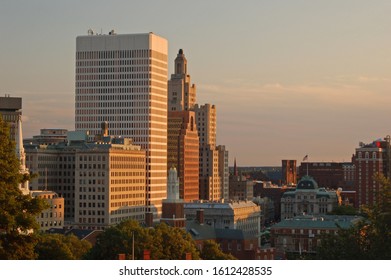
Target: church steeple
<point>173,207</point>
<point>235,168</point>
<point>24,187</point>
<point>173,185</point>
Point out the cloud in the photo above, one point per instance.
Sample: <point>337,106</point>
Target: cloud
<point>265,122</point>
<point>46,110</point>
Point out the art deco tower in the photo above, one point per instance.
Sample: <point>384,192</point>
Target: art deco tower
<point>183,140</point>
<point>122,80</point>
<point>181,93</point>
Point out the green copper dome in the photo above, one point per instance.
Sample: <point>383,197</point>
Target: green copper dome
<point>307,183</point>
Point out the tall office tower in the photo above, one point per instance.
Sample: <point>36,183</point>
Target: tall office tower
<point>122,79</point>
<point>182,97</point>
<point>11,111</point>
<point>181,93</point>
<point>369,160</point>
<point>289,172</point>
<point>206,124</point>
<point>210,181</point>
<point>223,171</point>
<point>183,152</point>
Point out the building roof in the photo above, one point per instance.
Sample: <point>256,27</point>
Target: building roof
<point>200,231</point>
<point>206,232</point>
<point>324,222</point>
<point>307,183</point>
<point>219,205</point>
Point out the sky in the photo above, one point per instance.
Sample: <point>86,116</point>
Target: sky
<point>288,78</point>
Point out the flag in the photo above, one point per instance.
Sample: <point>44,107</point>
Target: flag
<point>305,158</point>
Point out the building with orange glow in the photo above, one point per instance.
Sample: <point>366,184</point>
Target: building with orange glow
<point>183,152</point>
<point>289,172</point>
<point>210,181</point>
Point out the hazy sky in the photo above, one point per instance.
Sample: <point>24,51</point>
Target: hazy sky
<point>289,78</point>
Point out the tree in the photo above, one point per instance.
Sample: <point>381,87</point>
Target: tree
<point>370,238</point>
<point>163,242</point>
<point>61,247</point>
<point>344,210</point>
<point>211,251</point>
<point>17,211</point>
<point>119,240</point>
<point>170,243</point>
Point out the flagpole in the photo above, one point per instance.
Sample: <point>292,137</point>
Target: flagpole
<point>307,165</point>
<point>306,159</point>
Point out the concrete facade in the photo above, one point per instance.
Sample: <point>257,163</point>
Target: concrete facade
<point>110,184</point>
<point>244,215</point>
<point>307,199</point>
<point>122,79</point>
<point>53,217</point>
<point>240,188</point>
<point>224,170</point>
<point>102,183</point>
<point>48,136</point>
<point>210,180</point>
<point>181,92</point>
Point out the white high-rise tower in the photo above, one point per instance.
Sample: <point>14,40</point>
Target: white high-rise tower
<point>122,80</point>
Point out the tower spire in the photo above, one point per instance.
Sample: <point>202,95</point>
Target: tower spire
<point>235,168</point>
<point>24,187</point>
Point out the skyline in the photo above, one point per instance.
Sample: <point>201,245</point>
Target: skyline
<point>288,79</point>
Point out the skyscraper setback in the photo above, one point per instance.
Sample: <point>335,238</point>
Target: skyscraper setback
<point>213,161</point>
<point>122,80</point>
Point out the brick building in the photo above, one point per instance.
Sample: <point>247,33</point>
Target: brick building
<point>302,235</point>
<point>369,160</point>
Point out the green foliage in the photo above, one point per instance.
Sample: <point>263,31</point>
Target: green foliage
<point>369,238</point>
<point>171,243</point>
<point>344,210</point>
<point>118,240</point>
<point>61,247</point>
<point>163,242</point>
<point>211,251</point>
<point>17,211</point>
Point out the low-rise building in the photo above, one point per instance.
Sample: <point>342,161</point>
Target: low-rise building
<point>240,188</point>
<point>244,215</point>
<point>101,182</point>
<point>52,217</point>
<point>307,198</point>
<point>302,235</point>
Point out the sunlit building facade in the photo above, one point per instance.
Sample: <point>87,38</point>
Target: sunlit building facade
<point>122,79</point>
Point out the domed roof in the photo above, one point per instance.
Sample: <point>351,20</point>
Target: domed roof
<point>307,183</point>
